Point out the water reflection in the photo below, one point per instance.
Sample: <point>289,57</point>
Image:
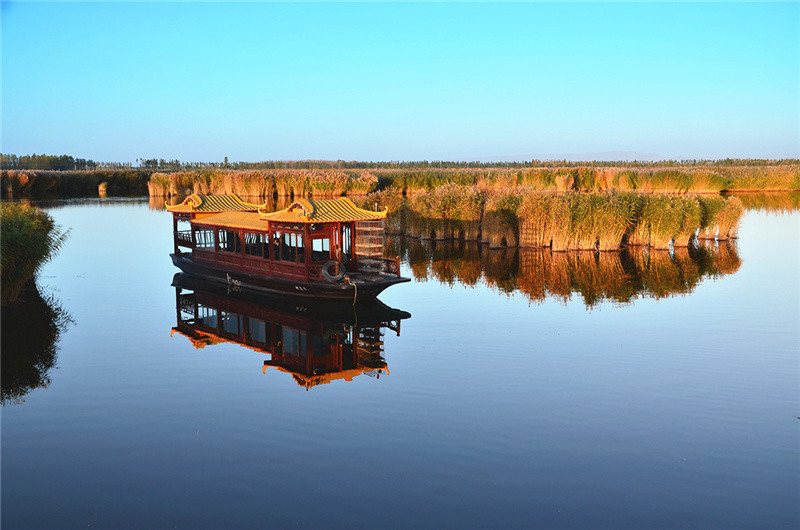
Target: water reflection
<point>618,277</point>
<point>776,202</point>
<point>30,332</point>
<point>314,342</point>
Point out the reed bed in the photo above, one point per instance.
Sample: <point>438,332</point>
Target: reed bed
<point>335,182</point>
<point>73,183</point>
<point>561,221</point>
<point>500,224</point>
<point>264,183</point>
<point>331,181</point>
<point>447,212</point>
<point>28,238</point>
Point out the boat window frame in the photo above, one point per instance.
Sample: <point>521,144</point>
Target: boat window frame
<point>204,242</point>
<point>289,240</point>
<point>263,244</point>
<point>237,241</point>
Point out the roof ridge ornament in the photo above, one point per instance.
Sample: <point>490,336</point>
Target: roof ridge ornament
<point>341,209</point>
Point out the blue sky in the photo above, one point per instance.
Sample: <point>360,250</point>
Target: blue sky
<point>399,81</point>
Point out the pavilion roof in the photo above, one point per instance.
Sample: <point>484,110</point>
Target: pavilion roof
<point>321,211</point>
<point>213,203</point>
<point>242,220</point>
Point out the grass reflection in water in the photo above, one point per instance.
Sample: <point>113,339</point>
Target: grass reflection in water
<point>31,329</point>
<point>619,277</point>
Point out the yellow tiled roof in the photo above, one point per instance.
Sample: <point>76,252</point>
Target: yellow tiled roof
<point>213,203</point>
<point>320,211</point>
<point>243,220</point>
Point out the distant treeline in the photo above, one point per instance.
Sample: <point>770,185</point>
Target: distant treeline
<point>684,177</point>
<point>176,165</point>
<point>55,163</point>
<point>67,162</point>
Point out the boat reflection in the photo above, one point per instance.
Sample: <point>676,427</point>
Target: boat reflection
<point>617,277</point>
<point>314,342</point>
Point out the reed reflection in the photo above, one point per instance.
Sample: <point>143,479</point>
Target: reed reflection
<point>30,331</point>
<point>315,343</point>
<point>617,277</point>
<point>776,202</point>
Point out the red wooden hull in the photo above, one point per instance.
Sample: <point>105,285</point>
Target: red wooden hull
<point>361,288</point>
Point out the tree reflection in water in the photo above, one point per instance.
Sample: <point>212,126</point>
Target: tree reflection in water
<point>618,277</point>
<point>30,332</point>
<point>315,342</point>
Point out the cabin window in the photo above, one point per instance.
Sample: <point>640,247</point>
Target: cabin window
<point>317,343</point>
<point>301,248</point>
<point>231,323</point>
<point>294,342</point>
<point>204,238</point>
<point>320,249</point>
<point>289,246</point>
<point>256,244</point>
<point>347,249</point>
<point>229,241</point>
<point>259,331</point>
<point>207,316</point>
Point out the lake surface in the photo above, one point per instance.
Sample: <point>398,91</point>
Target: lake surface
<point>626,390</point>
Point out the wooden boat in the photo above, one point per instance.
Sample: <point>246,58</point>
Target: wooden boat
<point>315,342</point>
<point>319,249</point>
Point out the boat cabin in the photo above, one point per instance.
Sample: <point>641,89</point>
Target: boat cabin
<point>308,241</point>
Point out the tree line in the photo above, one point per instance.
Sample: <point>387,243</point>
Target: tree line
<point>56,163</point>
<point>67,162</point>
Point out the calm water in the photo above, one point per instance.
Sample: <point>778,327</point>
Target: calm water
<point>634,390</point>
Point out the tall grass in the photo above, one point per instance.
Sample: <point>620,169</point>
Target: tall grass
<point>72,183</point>
<point>561,221</point>
<point>500,224</point>
<point>358,179</point>
<point>447,212</point>
<point>29,238</point>
<point>264,183</point>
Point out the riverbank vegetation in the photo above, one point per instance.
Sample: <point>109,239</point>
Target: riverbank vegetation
<point>40,175</point>
<point>72,183</point>
<point>335,182</point>
<point>28,238</point>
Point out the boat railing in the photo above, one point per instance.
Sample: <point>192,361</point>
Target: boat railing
<point>392,265</point>
<point>184,237</point>
<point>379,265</point>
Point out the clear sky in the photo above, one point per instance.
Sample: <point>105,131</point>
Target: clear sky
<point>399,81</point>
